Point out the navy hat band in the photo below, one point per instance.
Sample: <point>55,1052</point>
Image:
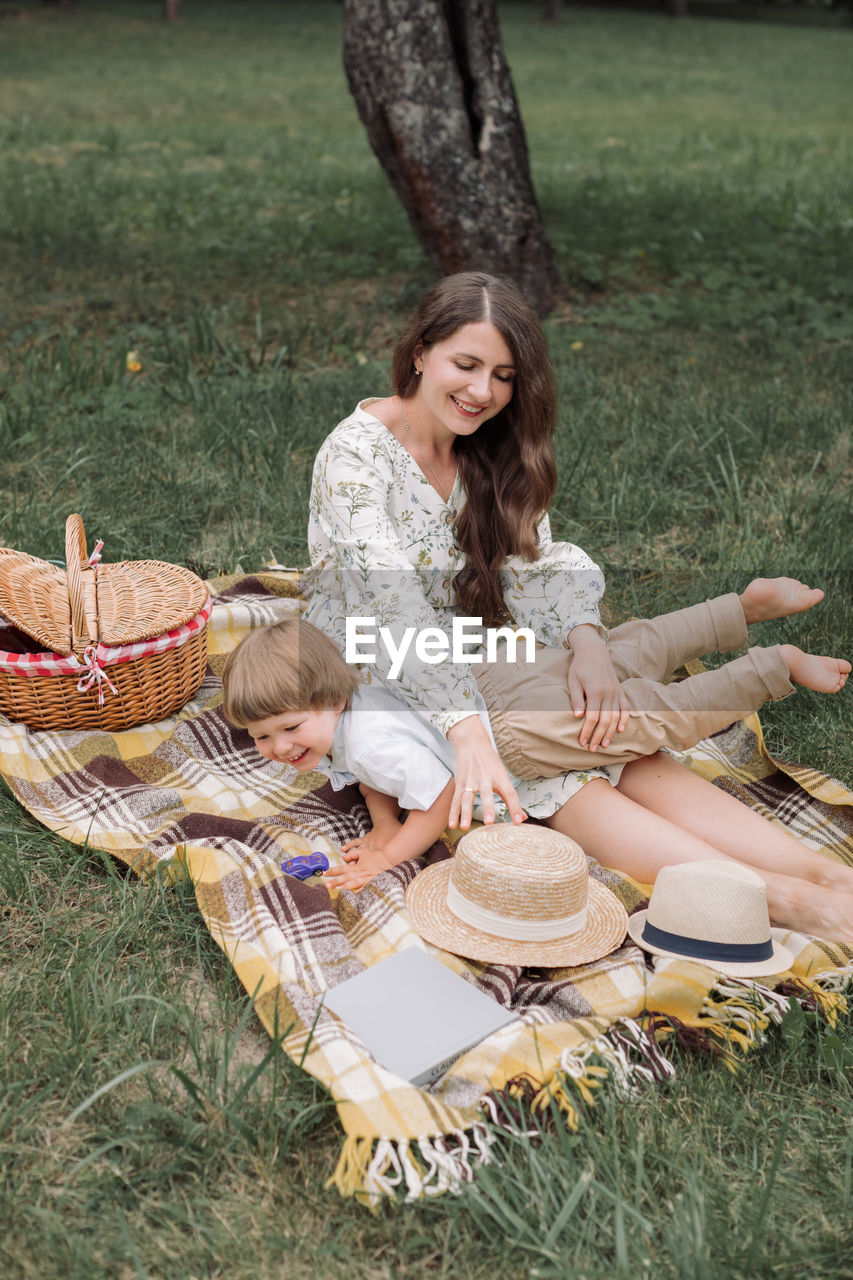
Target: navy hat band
<point>739,952</point>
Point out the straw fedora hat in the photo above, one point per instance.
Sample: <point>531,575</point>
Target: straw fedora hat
<point>714,912</point>
<point>517,895</point>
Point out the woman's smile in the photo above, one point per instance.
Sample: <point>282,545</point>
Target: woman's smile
<point>470,410</point>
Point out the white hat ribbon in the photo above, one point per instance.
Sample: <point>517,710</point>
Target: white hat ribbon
<point>511,926</point>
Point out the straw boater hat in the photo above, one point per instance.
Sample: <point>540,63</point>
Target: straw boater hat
<point>517,895</point>
<point>714,912</point>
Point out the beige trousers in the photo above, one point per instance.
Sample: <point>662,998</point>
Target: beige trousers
<point>537,732</point>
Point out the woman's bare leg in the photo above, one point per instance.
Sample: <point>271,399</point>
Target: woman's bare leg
<point>693,804</point>
<point>626,835</point>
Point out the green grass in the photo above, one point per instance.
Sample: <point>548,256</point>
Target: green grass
<point>203,194</point>
<point>187,1166</point>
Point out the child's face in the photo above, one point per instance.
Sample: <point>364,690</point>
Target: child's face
<point>298,738</point>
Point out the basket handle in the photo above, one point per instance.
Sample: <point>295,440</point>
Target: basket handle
<point>76,568</point>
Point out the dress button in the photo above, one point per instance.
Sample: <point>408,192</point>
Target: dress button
<point>448,517</point>
<point>454,551</point>
<point>566,644</point>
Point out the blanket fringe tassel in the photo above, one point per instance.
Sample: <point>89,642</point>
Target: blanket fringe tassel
<point>829,989</point>
<point>370,1168</point>
<point>626,1056</point>
<point>630,1059</point>
<point>737,1013</point>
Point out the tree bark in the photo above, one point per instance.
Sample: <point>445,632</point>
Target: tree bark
<point>171,10</point>
<point>434,92</point>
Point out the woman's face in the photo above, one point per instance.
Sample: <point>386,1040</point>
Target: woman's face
<point>467,378</point>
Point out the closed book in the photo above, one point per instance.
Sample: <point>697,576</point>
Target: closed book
<point>415,1015</point>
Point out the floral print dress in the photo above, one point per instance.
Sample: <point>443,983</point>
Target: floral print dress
<point>381,544</point>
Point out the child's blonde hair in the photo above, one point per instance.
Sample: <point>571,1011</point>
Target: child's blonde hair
<point>291,666</point>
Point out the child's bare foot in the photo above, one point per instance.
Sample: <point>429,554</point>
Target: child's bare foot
<point>826,675</point>
<point>777,598</point>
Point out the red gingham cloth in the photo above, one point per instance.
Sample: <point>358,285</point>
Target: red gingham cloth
<point>55,664</point>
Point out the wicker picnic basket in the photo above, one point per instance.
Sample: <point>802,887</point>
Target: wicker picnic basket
<point>98,646</point>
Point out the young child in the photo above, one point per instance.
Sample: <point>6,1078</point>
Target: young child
<point>290,687</point>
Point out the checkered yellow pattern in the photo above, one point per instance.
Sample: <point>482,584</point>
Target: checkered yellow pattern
<point>193,794</point>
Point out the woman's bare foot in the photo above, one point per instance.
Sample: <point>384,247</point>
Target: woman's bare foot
<point>766,598</point>
<point>808,908</point>
<point>826,675</point>
<point>833,875</point>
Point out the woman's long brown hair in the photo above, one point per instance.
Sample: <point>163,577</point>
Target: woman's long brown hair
<point>507,467</point>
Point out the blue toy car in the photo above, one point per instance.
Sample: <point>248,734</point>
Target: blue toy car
<point>306,865</point>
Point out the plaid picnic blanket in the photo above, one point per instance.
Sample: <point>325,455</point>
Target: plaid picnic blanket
<point>192,793</point>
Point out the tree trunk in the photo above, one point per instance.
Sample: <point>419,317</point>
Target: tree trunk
<point>551,11</point>
<point>171,10</point>
<point>434,92</point>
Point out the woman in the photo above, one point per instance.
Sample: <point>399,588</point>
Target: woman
<point>432,503</point>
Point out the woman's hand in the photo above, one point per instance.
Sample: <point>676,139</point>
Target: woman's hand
<point>478,769</point>
<point>595,692</point>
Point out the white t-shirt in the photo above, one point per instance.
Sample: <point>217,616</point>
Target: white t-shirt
<point>383,743</point>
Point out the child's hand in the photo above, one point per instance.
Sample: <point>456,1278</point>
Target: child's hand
<point>376,838</point>
<point>362,864</point>
<point>595,690</point>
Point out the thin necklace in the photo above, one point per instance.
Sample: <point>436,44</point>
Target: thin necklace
<point>422,452</point>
